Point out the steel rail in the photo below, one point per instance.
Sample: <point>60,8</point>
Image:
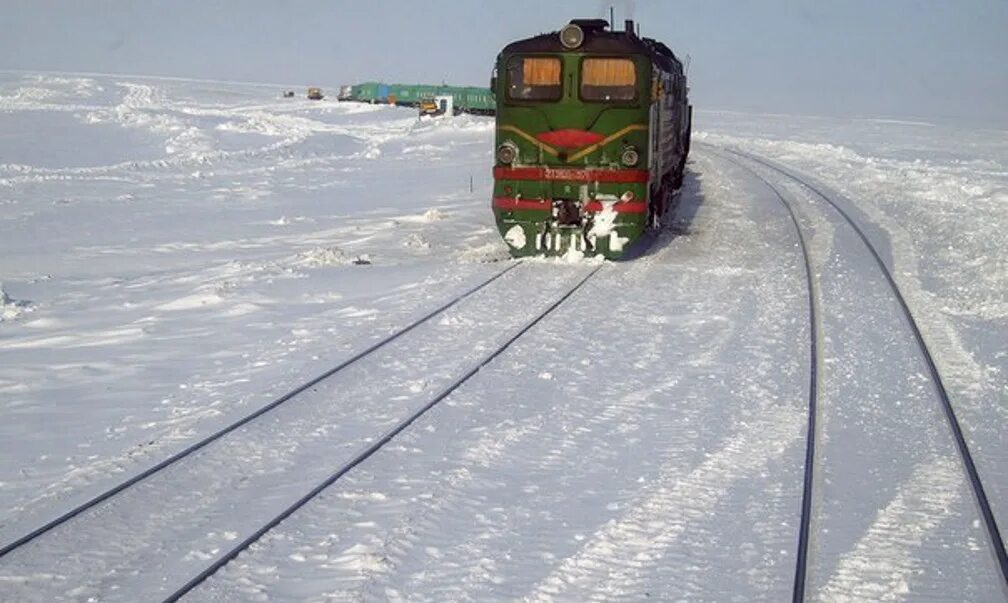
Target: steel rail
<point>804,528</point>
<point>107,494</point>
<point>227,557</point>
<point>993,532</point>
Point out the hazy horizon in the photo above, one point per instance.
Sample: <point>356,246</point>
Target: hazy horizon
<point>900,59</point>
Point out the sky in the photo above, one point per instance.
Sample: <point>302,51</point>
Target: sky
<point>879,58</point>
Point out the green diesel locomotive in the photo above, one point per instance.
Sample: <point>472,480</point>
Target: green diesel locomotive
<point>593,130</point>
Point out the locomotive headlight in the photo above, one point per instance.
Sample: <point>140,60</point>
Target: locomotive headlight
<point>630,156</point>
<point>571,36</point>
<point>507,153</point>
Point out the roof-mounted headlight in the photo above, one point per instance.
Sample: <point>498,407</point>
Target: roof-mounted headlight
<point>571,36</point>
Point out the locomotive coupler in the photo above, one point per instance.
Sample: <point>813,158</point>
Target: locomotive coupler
<point>566,212</point>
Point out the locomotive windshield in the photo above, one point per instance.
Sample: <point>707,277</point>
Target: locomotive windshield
<point>534,79</point>
<point>608,80</point>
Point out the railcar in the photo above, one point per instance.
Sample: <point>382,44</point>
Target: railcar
<point>464,99</point>
<point>592,134</point>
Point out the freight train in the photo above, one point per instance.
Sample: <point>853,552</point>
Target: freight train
<point>465,99</point>
<point>592,134</point>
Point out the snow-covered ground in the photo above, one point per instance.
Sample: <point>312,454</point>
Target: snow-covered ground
<point>176,254</point>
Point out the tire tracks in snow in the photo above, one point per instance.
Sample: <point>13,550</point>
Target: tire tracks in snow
<point>610,565</point>
<point>882,564</point>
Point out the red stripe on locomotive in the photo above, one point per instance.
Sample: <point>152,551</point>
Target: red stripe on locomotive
<point>570,138</point>
<point>510,204</point>
<point>572,174</point>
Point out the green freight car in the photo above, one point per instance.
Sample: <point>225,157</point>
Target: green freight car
<point>593,130</point>
<point>465,99</point>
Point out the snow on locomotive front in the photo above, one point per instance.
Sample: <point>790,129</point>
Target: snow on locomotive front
<point>591,141</point>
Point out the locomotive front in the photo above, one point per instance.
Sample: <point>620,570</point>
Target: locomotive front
<point>578,153</point>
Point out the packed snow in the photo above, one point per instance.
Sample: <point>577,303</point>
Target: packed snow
<point>176,254</point>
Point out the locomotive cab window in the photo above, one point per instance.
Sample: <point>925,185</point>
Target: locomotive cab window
<point>534,79</point>
<point>608,80</point>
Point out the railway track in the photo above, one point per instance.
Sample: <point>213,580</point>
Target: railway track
<point>804,525</point>
<point>370,450</point>
<point>188,451</point>
<point>993,533</point>
<point>106,503</point>
<point>587,432</point>
<point>771,176</point>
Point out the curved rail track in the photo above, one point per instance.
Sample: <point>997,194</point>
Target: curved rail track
<point>993,532</point>
<point>804,526</point>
